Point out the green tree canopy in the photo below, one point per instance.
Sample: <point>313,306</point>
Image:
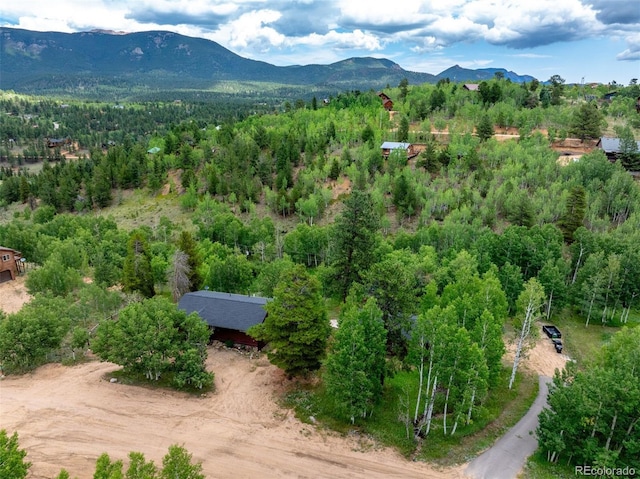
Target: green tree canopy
<point>153,338</point>
<point>355,240</point>
<point>296,326</point>
<point>587,121</point>
<point>354,368</point>
<point>12,463</point>
<point>137,274</point>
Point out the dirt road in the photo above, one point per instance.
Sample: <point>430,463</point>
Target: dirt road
<point>505,459</point>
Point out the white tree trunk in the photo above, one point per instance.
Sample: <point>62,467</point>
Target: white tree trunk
<point>432,400</point>
<point>524,334</point>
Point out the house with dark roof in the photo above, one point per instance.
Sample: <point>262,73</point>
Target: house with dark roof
<point>611,147</point>
<point>58,142</point>
<point>229,315</point>
<point>11,263</point>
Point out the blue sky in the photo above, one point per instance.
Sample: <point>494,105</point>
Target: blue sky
<point>594,40</point>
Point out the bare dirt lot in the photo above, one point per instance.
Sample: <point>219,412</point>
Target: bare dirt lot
<point>67,416</point>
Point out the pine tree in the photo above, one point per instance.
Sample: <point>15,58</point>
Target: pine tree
<point>296,326</point>
<point>355,240</point>
<point>136,272</point>
<point>188,245</point>
<point>484,129</point>
<point>574,213</point>
<point>587,122</point>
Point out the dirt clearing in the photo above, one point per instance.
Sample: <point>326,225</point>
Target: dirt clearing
<point>13,295</point>
<point>68,416</point>
<point>542,358</point>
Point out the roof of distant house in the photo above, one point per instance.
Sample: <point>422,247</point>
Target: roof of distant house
<point>611,145</point>
<point>225,310</point>
<point>395,145</point>
<point>471,86</point>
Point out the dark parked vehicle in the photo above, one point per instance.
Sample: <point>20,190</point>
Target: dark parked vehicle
<point>557,343</point>
<point>551,331</point>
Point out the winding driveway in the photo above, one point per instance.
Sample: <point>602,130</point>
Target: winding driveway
<point>505,459</point>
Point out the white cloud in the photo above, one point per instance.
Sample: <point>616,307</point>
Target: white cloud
<point>407,31</point>
<point>251,30</point>
<point>633,52</point>
<point>382,12</point>
<point>356,40</point>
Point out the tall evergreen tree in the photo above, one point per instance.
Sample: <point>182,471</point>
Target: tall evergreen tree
<point>403,129</point>
<point>586,122</point>
<point>355,240</point>
<point>188,245</point>
<point>575,210</point>
<point>484,129</point>
<point>296,326</point>
<point>136,272</point>
<point>629,154</point>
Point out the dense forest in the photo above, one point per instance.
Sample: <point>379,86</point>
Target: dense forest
<point>426,261</point>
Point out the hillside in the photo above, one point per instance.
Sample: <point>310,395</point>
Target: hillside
<point>49,62</point>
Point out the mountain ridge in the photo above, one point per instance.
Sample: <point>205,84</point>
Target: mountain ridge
<point>34,61</point>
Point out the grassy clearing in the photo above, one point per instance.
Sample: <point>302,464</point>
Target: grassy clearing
<point>133,209</point>
<point>501,410</point>
<point>537,467</point>
<point>581,342</point>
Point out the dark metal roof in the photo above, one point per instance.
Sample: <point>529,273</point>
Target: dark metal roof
<point>225,310</point>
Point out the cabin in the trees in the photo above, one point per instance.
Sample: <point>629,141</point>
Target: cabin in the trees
<point>471,86</point>
<point>58,142</point>
<point>11,263</point>
<point>638,105</point>
<point>230,315</point>
<point>611,147</point>
<point>387,103</point>
<point>389,146</point>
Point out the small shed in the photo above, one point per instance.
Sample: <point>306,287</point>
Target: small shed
<point>229,315</point>
<point>611,147</point>
<point>471,86</point>
<point>389,146</point>
<point>11,263</point>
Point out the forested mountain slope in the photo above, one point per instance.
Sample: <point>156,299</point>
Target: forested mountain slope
<point>448,249</point>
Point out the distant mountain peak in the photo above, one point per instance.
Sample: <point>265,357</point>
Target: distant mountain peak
<point>36,62</point>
